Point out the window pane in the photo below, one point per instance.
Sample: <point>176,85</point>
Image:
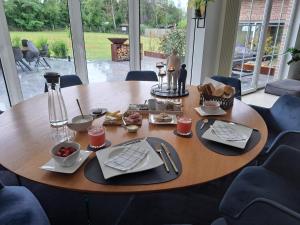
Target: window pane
<point>105,24</point>
<point>163,27</point>
<point>41,41</point>
<point>251,19</point>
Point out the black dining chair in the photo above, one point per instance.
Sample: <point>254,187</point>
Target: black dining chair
<point>234,82</point>
<point>141,76</point>
<point>20,207</point>
<point>67,81</point>
<point>267,194</point>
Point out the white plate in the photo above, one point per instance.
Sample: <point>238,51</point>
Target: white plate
<point>51,165</point>
<point>153,121</point>
<point>202,112</point>
<point>152,160</point>
<point>209,135</point>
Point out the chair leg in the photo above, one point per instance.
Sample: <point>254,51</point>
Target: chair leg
<point>27,66</point>
<point>46,62</point>
<point>19,64</point>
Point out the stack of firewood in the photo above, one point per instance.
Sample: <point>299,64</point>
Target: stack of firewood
<point>123,53</point>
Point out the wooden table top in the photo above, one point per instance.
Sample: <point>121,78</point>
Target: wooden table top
<point>25,137</point>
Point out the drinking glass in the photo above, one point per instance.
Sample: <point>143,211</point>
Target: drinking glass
<point>184,125</point>
<point>96,136</point>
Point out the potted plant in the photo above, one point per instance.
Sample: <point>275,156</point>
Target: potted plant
<point>295,53</point>
<point>294,71</point>
<point>199,6</point>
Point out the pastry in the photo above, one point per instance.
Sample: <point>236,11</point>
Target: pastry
<point>163,117</point>
<point>218,92</point>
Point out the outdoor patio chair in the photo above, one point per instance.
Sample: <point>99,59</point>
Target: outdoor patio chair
<point>141,76</point>
<point>32,54</point>
<point>67,81</point>
<point>283,116</point>
<point>19,59</point>
<point>234,82</point>
<point>20,207</point>
<point>267,194</point>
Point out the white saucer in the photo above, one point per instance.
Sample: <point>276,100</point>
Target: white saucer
<point>51,165</point>
<point>217,112</point>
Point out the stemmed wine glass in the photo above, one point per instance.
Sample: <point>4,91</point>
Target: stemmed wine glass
<point>161,73</point>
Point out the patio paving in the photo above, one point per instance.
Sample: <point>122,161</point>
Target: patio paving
<point>32,82</point>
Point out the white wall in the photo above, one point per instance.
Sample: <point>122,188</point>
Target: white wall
<point>207,43</point>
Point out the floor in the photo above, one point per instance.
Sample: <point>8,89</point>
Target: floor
<point>260,98</point>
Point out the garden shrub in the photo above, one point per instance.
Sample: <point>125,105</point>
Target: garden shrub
<point>174,39</point>
<point>16,41</point>
<point>59,49</point>
<point>41,42</point>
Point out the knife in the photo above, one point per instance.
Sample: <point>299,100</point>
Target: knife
<point>168,153</point>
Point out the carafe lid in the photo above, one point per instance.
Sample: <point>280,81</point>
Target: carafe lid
<point>52,77</point>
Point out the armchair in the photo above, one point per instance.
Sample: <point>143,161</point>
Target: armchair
<point>267,194</point>
<point>282,116</point>
<point>20,207</point>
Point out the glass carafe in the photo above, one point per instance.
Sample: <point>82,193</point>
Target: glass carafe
<point>56,105</point>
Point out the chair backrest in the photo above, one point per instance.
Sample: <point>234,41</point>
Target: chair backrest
<point>141,76</point>
<point>234,82</point>
<point>67,81</point>
<point>286,113</point>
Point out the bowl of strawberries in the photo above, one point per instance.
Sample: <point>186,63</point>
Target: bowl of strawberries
<point>65,153</point>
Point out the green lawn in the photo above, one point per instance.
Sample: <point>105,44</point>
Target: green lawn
<point>97,45</point>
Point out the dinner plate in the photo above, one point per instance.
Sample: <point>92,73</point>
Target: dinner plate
<point>53,166</point>
<point>152,160</point>
<point>246,131</point>
<point>203,112</point>
<point>172,122</point>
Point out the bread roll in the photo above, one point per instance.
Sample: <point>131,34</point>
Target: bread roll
<point>228,90</point>
<point>218,92</point>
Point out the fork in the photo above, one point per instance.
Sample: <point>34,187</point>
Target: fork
<point>158,149</point>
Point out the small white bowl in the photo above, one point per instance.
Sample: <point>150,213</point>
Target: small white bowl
<point>81,124</point>
<point>211,106</point>
<point>132,128</point>
<point>69,160</point>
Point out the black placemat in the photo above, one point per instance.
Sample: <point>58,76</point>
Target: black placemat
<point>107,144</point>
<point>222,148</point>
<point>93,172</point>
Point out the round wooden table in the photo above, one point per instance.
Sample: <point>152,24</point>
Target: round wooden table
<point>25,138</point>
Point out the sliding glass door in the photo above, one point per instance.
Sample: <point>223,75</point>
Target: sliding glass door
<point>162,28</point>
<point>252,24</point>
<point>41,41</point>
<point>106,39</point>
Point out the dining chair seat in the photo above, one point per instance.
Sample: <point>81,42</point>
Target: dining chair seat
<point>67,81</point>
<point>234,82</point>
<point>141,76</point>
<point>20,207</point>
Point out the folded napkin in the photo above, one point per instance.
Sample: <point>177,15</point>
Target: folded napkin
<point>129,157</point>
<point>227,132</point>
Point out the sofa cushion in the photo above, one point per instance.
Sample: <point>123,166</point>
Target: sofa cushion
<point>282,87</point>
